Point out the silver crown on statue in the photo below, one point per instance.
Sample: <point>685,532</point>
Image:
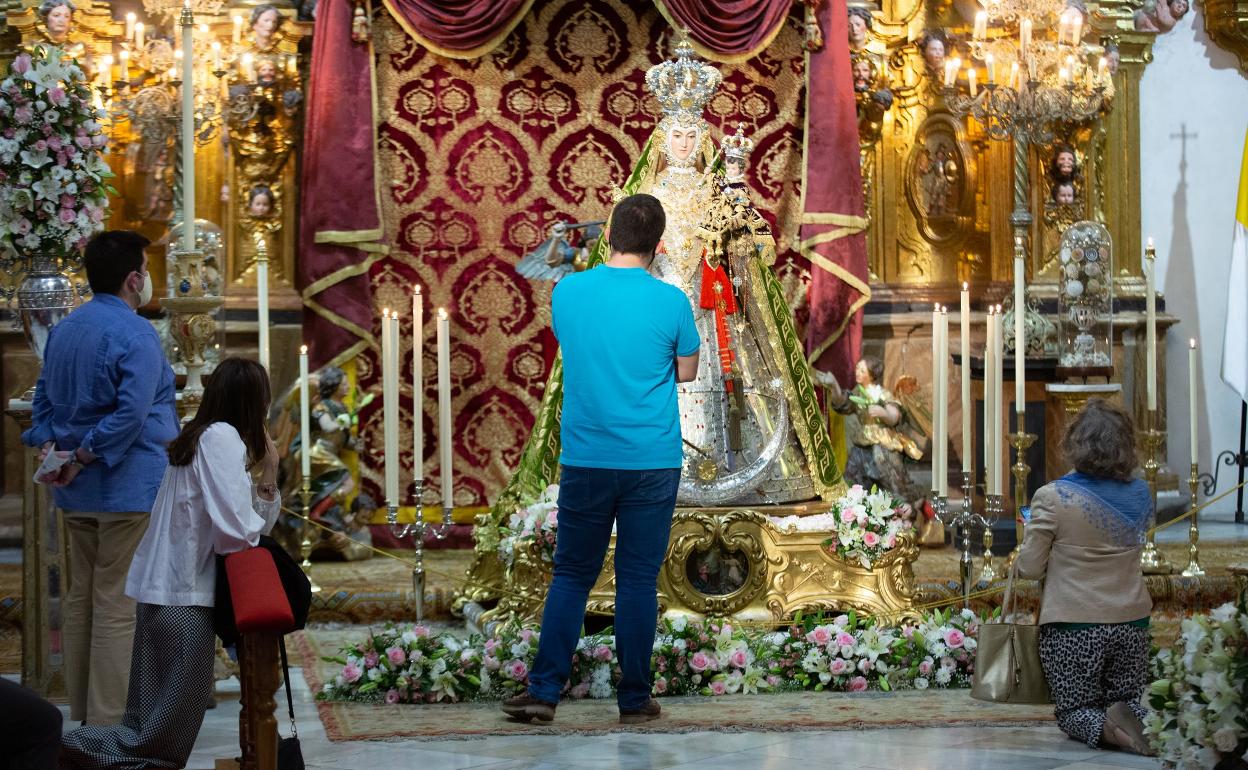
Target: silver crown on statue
<point>684,85</point>
<point>737,146</point>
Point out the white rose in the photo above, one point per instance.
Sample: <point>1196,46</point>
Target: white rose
<point>1225,739</point>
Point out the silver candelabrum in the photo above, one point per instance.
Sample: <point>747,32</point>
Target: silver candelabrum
<point>964,520</point>
<point>418,529</point>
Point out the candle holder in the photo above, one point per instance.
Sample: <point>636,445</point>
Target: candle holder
<point>305,546</point>
<point>1152,561</point>
<point>963,520</point>
<point>418,529</point>
<point>1021,441</point>
<point>1193,568</point>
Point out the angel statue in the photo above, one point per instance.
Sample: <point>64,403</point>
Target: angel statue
<point>882,430</point>
<point>751,425</point>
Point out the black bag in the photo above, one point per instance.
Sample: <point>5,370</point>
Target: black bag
<point>289,755</point>
<point>298,592</point>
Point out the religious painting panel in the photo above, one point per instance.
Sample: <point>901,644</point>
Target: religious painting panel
<point>940,180</point>
<point>483,156</point>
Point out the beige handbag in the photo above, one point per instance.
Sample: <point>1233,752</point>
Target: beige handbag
<point>1007,659</point>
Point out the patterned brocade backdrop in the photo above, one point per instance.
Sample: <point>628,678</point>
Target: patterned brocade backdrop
<point>483,156</point>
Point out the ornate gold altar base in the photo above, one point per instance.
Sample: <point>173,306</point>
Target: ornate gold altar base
<point>733,562</point>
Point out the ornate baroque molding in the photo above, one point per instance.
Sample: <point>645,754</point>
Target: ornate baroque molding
<point>1226,21</point>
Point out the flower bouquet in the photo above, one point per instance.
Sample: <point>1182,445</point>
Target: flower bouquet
<point>867,395</point>
<point>53,193</point>
<point>867,525</point>
<point>1200,697</point>
<point>532,526</point>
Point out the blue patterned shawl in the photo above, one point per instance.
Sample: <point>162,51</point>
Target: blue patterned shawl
<point>1120,509</point>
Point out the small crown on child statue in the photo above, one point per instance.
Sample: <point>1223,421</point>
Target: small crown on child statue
<point>737,146</point>
<point>684,85</point>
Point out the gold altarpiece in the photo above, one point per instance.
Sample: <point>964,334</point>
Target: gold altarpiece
<point>228,166</point>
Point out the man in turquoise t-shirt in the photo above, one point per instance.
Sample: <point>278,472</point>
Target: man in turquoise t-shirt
<point>627,338</point>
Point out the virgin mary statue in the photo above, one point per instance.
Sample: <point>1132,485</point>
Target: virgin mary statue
<point>753,432</point>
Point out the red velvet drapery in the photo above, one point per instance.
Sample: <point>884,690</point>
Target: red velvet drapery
<point>727,30</point>
<point>459,29</point>
<point>833,220</point>
<point>338,234</point>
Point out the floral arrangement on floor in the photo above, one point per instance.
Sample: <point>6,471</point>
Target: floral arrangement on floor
<point>864,525</point>
<point>409,664</point>
<point>1200,696</point>
<point>52,190</point>
<point>535,523</point>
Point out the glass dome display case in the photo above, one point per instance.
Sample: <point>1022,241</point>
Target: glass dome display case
<point>1086,298</point>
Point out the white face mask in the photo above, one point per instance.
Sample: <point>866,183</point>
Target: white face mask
<point>145,294</point>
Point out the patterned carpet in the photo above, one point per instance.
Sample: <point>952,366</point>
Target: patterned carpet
<point>778,712</point>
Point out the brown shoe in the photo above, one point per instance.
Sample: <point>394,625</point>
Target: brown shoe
<point>526,708</point>
<point>1125,730</point>
<point>651,710</point>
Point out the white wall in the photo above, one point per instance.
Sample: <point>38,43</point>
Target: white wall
<point>1189,210</point>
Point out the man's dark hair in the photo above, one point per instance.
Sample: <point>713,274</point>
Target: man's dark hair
<point>637,225</point>
<point>110,257</point>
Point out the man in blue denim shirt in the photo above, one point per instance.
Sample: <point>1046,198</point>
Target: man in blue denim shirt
<point>626,339</point>
<point>106,394</point>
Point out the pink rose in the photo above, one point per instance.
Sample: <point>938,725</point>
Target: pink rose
<point>99,140</point>
<point>865,665</point>
<point>552,519</point>
<point>526,634</point>
<point>840,620</point>
<point>490,646</point>
<point>838,666</point>
<point>392,696</point>
<point>737,658</point>
<point>907,631</point>
<point>371,659</point>
<point>718,688</point>
<point>396,655</point>
<point>351,673</point>
<point>925,667</point>
<point>701,661</point>
<point>68,201</point>
<point>954,638</point>
<point>23,226</point>
<point>870,539</point>
<point>773,680</point>
<point>56,95</point>
<point>420,630</point>
<point>844,639</point>
<point>848,514</point>
<point>68,216</point>
<point>660,686</point>
<point>820,635</point>
<point>96,212</point>
<point>517,670</point>
<point>54,144</point>
<point>890,541</point>
<point>21,65</point>
<point>41,145</point>
<point>858,684</point>
<point>603,653</point>
<point>491,663</point>
<point>83,141</point>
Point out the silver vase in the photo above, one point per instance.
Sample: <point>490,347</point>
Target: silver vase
<point>44,297</point>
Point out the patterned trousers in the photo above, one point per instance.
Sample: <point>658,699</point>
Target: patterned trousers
<point>171,679</point>
<point>1091,669</point>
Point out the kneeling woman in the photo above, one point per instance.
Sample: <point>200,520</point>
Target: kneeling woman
<point>207,505</point>
<point>1085,538</point>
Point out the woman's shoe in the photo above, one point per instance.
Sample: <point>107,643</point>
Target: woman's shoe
<point>1124,729</point>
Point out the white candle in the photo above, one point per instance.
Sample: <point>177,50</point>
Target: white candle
<point>248,66</point>
<point>392,449</point>
<point>418,384</point>
<point>943,378</point>
<point>1020,345</point>
<point>130,19</point>
<point>1076,28</point>
<point>989,369</point>
<point>262,301</point>
<point>964,343</point>
<point>1014,75</point>
<point>936,386</point>
<point>140,40</point>
<point>1024,34</point>
<point>238,29</point>
<point>188,142</point>
<point>216,56</point>
<point>305,417</point>
<point>998,398</point>
<point>123,59</point>
<point>981,25</point>
<point>991,64</point>
<point>951,69</point>
<point>390,438</point>
<point>1102,70</point>
<point>970,80</point>
<point>1192,384</point>
<point>445,438</point>
<point>1150,329</point>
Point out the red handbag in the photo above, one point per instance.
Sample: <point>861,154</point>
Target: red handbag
<point>257,592</point>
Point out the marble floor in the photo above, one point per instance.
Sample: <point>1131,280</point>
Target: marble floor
<point>1018,748</point>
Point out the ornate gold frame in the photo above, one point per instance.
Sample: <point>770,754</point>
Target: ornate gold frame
<point>1226,21</point>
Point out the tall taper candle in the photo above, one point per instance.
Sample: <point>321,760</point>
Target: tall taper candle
<point>1150,329</point>
<point>998,400</point>
<point>445,439</point>
<point>943,376</point>
<point>389,438</point>
<point>188,132</point>
<point>305,416</point>
<point>936,386</point>
<point>964,342</point>
<point>1020,348</point>
<point>1192,384</point>
<point>989,368</point>
<point>418,384</point>
<point>262,301</point>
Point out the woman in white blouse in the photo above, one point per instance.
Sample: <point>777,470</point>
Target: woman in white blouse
<point>208,504</point>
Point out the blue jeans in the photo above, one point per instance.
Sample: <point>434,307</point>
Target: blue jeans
<point>640,503</point>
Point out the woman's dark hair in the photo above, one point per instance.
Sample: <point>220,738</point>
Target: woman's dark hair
<point>238,394</point>
<point>110,257</point>
<point>1100,441</point>
<point>637,225</point>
